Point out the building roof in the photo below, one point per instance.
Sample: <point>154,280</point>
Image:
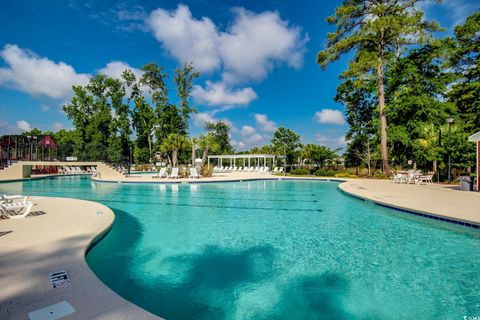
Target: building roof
<point>474,137</point>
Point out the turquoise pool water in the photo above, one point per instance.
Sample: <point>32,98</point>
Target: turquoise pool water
<point>274,250</point>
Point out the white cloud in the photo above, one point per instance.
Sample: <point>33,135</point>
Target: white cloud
<point>332,142</point>
<point>57,126</point>
<point>45,108</point>
<point>24,125</point>
<point>330,116</point>
<point>115,69</point>
<point>456,11</point>
<point>35,75</point>
<point>247,130</point>
<point>249,137</point>
<point>8,128</point>
<point>186,38</point>
<point>218,94</point>
<point>248,50</point>
<point>200,118</point>
<point>265,124</point>
<point>255,43</point>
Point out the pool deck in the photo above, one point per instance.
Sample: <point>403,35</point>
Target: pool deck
<point>436,200</point>
<point>54,237</point>
<point>217,177</point>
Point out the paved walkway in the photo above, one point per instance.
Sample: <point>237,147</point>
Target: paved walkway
<point>54,237</point>
<point>438,200</point>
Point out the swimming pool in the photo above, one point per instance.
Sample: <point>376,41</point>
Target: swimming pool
<point>274,250</point>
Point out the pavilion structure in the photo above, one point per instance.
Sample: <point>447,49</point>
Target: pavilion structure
<point>476,138</point>
<point>245,160</point>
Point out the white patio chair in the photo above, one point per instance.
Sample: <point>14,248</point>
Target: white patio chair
<point>194,173</point>
<point>4,198</point>
<point>16,210</point>
<point>427,179</point>
<point>162,173</point>
<point>174,173</point>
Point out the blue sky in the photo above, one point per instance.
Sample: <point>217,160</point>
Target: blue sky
<point>257,59</point>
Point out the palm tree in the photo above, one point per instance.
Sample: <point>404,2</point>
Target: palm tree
<point>173,143</point>
<point>194,142</point>
<point>207,143</point>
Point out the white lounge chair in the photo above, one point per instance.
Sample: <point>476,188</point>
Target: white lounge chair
<point>280,170</point>
<point>194,173</point>
<point>4,198</point>
<point>426,179</point>
<point>397,178</point>
<point>266,170</point>
<point>174,173</point>
<point>14,210</point>
<point>162,173</point>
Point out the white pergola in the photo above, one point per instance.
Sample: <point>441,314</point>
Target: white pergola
<point>245,160</point>
<point>476,138</point>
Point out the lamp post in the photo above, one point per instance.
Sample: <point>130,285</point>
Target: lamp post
<point>449,120</point>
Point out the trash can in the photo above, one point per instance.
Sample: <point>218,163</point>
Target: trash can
<point>466,183</point>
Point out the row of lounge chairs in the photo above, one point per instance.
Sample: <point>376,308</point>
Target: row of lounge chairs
<point>15,206</point>
<point>162,173</point>
<point>76,170</point>
<point>413,176</point>
<point>246,169</point>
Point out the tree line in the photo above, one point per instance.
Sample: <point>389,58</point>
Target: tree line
<point>403,85</point>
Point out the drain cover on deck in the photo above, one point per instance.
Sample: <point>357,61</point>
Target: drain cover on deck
<point>59,279</point>
<point>53,312</point>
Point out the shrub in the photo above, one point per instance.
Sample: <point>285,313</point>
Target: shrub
<point>330,173</point>
<point>380,175</point>
<point>300,172</point>
<point>345,175</point>
<point>207,171</point>
<point>320,173</point>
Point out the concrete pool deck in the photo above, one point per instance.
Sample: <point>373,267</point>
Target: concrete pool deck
<point>57,233</point>
<point>54,237</point>
<point>437,200</point>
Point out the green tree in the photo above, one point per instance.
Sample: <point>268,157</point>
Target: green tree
<point>286,142</point>
<point>464,58</point>
<point>317,155</point>
<point>184,78</point>
<point>91,115</point>
<point>207,143</point>
<point>377,31</point>
<point>416,86</point>
<point>194,144</point>
<point>221,131</point>
<point>142,117</point>
<point>67,141</point>
<point>171,146</point>
<point>120,126</point>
